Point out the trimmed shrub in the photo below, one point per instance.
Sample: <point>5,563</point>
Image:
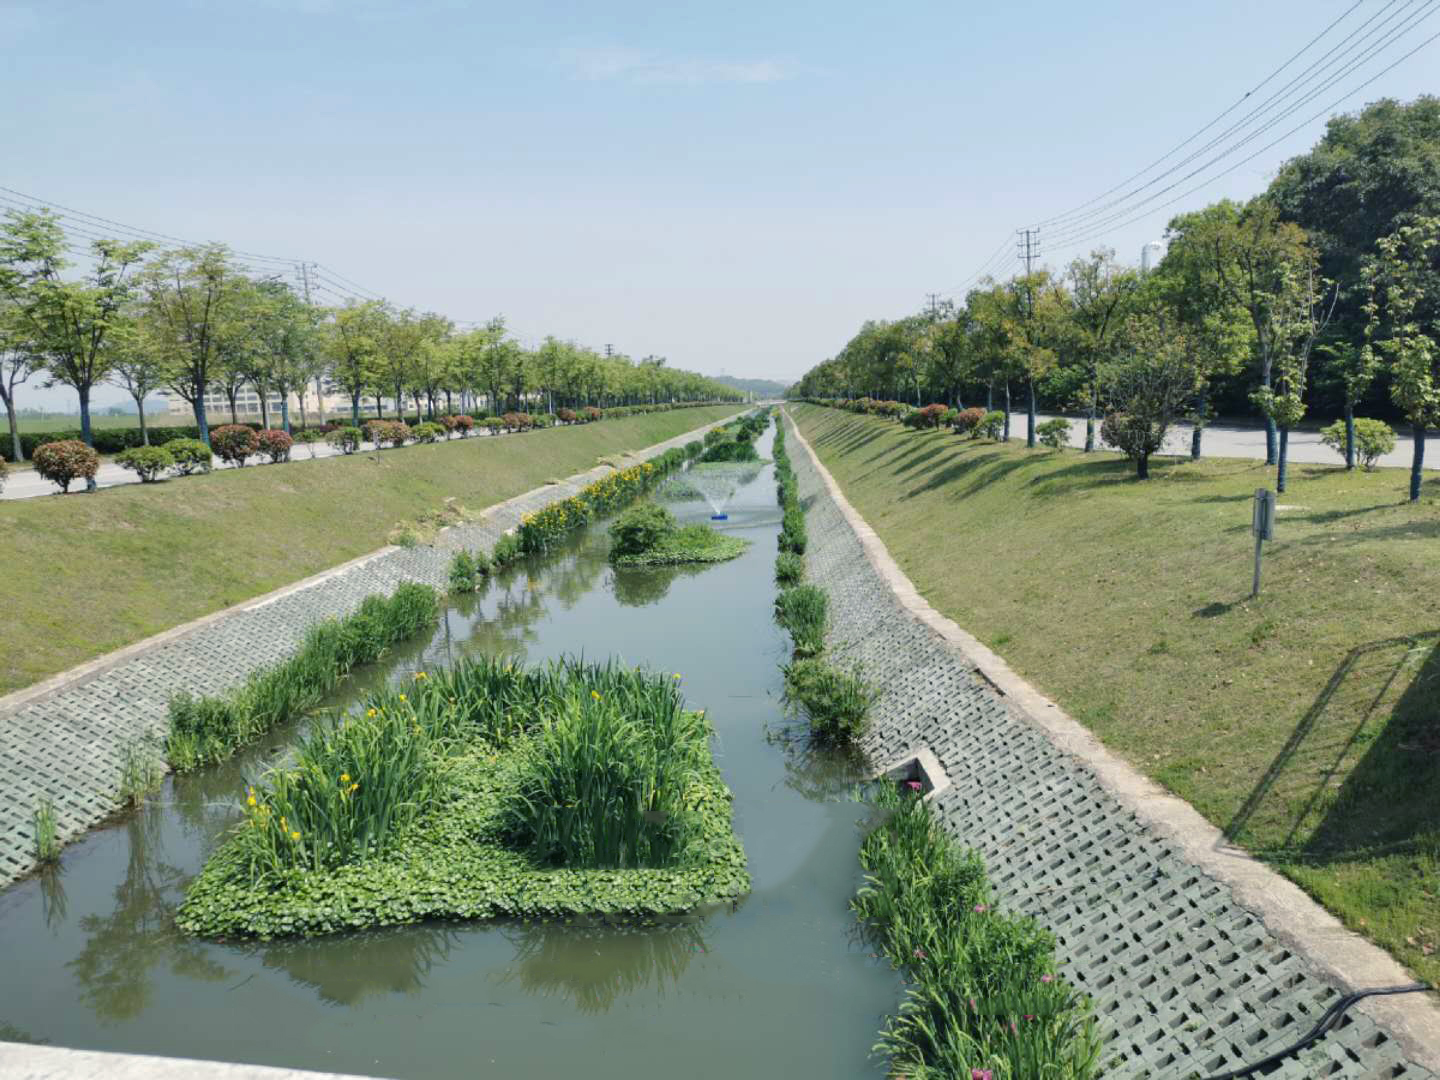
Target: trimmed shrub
<point>308,437</point>
<point>966,420</point>
<point>147,462</point>
<point>991,426</point>
<point>931,416</point>
<point>835,704</point>
<point>1373,439</point>
<point>1054,433</point>
<point>234,443</point>
<point>274,444</point>
<point>567,416</point>
<point>458,423</point>
<point>494,425</point>
<point>189,455</point>
<point>428,432</point>
<point>639,529</point>
<point>395,433</point>
<point>591,414</point>
<point>345,439</point>
<point>64,461</point>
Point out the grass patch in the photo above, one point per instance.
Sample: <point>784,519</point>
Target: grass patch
<point>648,535</point>
<point>186,549</point>
<point>984,992</point>
<point>789,569</point>
<point>482,791</point>
<point>1302,723</point>
<point>208,729</point>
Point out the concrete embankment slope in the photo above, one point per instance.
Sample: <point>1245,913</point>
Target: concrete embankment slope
<point>1198,958</point>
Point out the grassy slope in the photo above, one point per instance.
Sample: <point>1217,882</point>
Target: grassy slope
<point>1305,723</point>
<point>87,574</point>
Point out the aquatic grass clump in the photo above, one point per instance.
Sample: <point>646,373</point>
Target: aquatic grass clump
<point>602,787</point>
<point>792,536</point>
<point>482,790</point>
<point>804,611</point>
<point>835,704</point>
<point>354,783</point>
<point>208,729</point>
<point>47,832</point>
<point>984,995</point>
<point>789,569</point>
<point>467,570</point>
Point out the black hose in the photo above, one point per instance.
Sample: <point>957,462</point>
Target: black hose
<point>1327,1022</point>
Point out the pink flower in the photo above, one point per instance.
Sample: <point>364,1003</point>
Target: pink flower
<point>982,1074</point>
<point>1029,1016</point>
<point>1047,978</point>
<point>973,1006</point>
<point>913,785</point>
<point>979,908</point>
<point>920,954</point>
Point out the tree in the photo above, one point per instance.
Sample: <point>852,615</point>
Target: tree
<point>1372,172</point>
<point>352,348</point>
<point>1147,385</point>
<point>1247,253</point>
<point>66,321</point>
<point>1403,326</point>
<point>1101,293</point>
<point>139,366</point>
<point>188,296</point>
<point>287,354</point>
<point>1353,369</point>
<point>18,361</point>
<point>1000,345</point>
<point>1298,312</point>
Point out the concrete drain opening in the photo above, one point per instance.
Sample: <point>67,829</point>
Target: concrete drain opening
<point>919,769</point>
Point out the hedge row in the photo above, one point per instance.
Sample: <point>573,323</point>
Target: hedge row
<point>114,440</point>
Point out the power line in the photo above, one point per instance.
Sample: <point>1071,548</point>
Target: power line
<point>1240,101</point>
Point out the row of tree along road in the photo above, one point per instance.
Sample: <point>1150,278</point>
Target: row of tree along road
<point>1322,293</point>
<point>190,321</point>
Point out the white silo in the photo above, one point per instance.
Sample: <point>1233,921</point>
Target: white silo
<point>1150,255</point>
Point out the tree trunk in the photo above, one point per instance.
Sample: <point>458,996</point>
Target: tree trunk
<point>1417,463</point>
<point>285,413</point>
<point>449,404</point>
<point>1282,460</point>
<point>1142,467</point>
<point>990,397</point>
<point>1270,431</point>
<point>234,415</point>
<point>85,435</point>
<point>140,408</point>
<point>1007,410</point>
<point>355,409</point>
<point>1199,427</point>
<point>300,397</point>
<point>17,451</point>
<point>197,405</point>
<point>264,408</point>
<point>1090,419</point>
<point>379,414</point>
<point>1030,418</point>
<point>1349,436</point>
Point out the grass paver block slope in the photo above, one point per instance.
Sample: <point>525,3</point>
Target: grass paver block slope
<point>1302,723</point>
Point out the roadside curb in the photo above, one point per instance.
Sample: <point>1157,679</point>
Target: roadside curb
<point>1287,912</point>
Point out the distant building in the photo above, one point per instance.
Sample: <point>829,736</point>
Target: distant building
<point>247,404</point>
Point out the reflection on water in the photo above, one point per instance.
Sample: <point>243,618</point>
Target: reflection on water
<point>774,986</point>
<point>592,966</point>
<point>138,935</point>
<point>372,963</point>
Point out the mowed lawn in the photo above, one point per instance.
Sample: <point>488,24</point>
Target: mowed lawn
<point>81,575</point>
<point>1306,723</point>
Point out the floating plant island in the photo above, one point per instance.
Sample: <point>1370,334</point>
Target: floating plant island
<point>481,791</point>
<point>648,535</point>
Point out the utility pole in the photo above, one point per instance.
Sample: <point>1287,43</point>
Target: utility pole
<point>932,300</point>
<point>609,350</point>
<point>1029,250</point>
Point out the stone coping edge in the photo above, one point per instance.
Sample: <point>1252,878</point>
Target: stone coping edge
<point>1340,954</point>
<point>83,673</point>
<point>23,1061</point>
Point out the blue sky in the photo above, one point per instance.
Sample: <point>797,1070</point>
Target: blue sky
<point>735,186</point>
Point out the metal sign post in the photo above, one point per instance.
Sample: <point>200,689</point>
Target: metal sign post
<point>1262,524</point>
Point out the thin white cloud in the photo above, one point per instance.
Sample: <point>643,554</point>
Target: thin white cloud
<point>630,65</point>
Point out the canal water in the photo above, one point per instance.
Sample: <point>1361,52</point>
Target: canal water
<point>778,985</point>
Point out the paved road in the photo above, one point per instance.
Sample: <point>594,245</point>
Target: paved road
<point>25,483</point>
<point>1226,440</point>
